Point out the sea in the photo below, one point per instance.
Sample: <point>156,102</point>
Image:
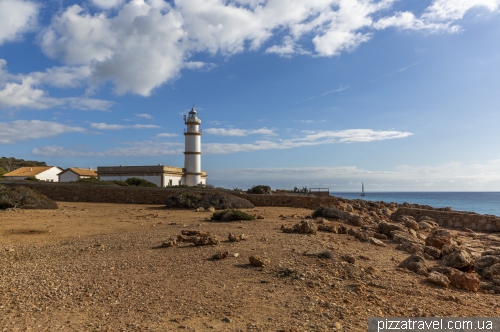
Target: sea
<point>478,202</point>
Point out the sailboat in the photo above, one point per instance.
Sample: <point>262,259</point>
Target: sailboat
<point>362,189</point>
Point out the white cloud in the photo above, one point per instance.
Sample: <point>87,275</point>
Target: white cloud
<point>22,130</point>
<point>144,115</point>
<point>105,126</point>
<point>166,135</point>
<point>23,91</point>
<point>136,149</point>
<point>450,176</point>
<point>239,132</point>
<point>16,18</point>
<point>107,4</point>
<point>144,44</point>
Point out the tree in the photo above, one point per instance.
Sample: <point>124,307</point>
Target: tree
<point>11,164</point>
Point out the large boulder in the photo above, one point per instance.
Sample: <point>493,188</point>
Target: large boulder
<point>433,252</point>
<point>405,236</point>
<point>439,238</point>
<point>438,279</point>
<point>415,263</point>
<point>468,281</point>
<point>488,265</point>
<point>460,260</point>
<point>387,227</point>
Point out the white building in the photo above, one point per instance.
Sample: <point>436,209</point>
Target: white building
<point>165,176</point>
<point>43,173</point>
<point>75,174</point>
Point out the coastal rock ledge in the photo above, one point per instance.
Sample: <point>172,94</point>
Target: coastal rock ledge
<point>453,219</point>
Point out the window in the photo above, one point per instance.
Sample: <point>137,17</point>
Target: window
<point>180,183</point>
<point>170,183</point>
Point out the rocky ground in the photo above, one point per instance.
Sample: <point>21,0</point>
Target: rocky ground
<point>107,267</point>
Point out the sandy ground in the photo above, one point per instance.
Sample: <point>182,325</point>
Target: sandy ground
<point>99,267</point>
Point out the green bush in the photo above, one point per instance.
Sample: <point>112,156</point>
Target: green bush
<point>260,189</point>
<point>217,199</point>
<point>230,215</point>
<point>330,212</point>
<point>139,182</point>
<point>24,198</point>
<point>31,178</point>
<point>2,171</point>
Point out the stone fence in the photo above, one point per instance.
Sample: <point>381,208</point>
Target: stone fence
<point>306,202</point>
<point>453,219</point>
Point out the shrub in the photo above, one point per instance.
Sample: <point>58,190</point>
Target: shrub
<point>230,215</point>
<point>2,171</point>
<point>31,178</point>
<point>206,199</point>
<point>260,189</point>
<point>24,198</point>
<point>330,212</point>
<point>139,182</point>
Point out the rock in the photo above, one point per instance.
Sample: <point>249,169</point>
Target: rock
<point>183,238</point>
<point>483,264</point>
<point>342,229</point>
<point>489,287</point>
<point>492,271</point>
<point>194,232</point>
<point>415,247</point>
<point>377,242</point>
<point>169,243</point>
<point>321,220</point>
<point>386,212</point>
<point>325,254</point>
<point>220,255</point>
<point>424,225</point>
<point>403,236</point>
<point>414,263</point>
<point>226,320</point>
<point>362,236</point>
<point>305,227</point>
<point>351,231</point>
<point>460,260</point>
<point>260,216</point>
<point>447,271</point>
<point>236,254</point>
<point>349,259</point>
<point>287,229</point>
<point>328,228</point>
<point>236,238</point>
<point>466,281</point>
<point>200,209</point>
<point>349,208</point>
<point>211,209</point>
<point>433,252</point>
<point>386,228</point>
<point>438,279</point>
<point>412,224</point>
<point>205,240</point>
<point>496,280</point>
<point>438,238</point>
<point>380,236</point>
<point>259,261</point>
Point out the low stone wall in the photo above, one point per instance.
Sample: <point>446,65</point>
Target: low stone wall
<point>67,192</point>
<point>306,202</point>
<point>453,219</point>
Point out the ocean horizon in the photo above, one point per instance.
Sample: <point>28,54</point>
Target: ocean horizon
<point>482,202</point>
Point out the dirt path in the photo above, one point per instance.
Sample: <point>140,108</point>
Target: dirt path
<point>98,267</point>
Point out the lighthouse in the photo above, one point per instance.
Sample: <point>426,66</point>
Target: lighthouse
<point>192,150</point>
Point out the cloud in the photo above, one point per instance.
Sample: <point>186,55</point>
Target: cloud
<point>16,18</point>
<point>145,116</point>
<point>449,176</point>
<point>144,44</point>
<point>239,132</point>
<point>135,149</point>
<point>105,126</point>
<point>166,135</point>
<point>22,130</point>
<point>23,91</point>
<point>339,89</point>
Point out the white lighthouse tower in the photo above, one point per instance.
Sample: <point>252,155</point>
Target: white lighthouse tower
<point>192,151</point>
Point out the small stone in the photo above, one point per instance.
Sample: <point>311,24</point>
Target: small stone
<point>236,254</point>
<point>349,259</point>
<point>415,263</point>
<point>171,242</point>
<point>377,242</point>
<point>220,255</point>
<point>200,209</point>
<point>236,238</point>
<point>211,209</point>
<point>226,320</point>
<point>258,261</point>
<point>438,279</point>
<point>260,216</point>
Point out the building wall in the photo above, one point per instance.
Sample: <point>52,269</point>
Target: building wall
<point>49,175</point>
<point>175,180</point>
<point>156,179</point>
<point>68,177</point>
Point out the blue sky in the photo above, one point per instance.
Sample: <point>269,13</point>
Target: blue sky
<point>400,95</point>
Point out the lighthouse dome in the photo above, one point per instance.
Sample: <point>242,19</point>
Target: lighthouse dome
<point>192,112</point>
